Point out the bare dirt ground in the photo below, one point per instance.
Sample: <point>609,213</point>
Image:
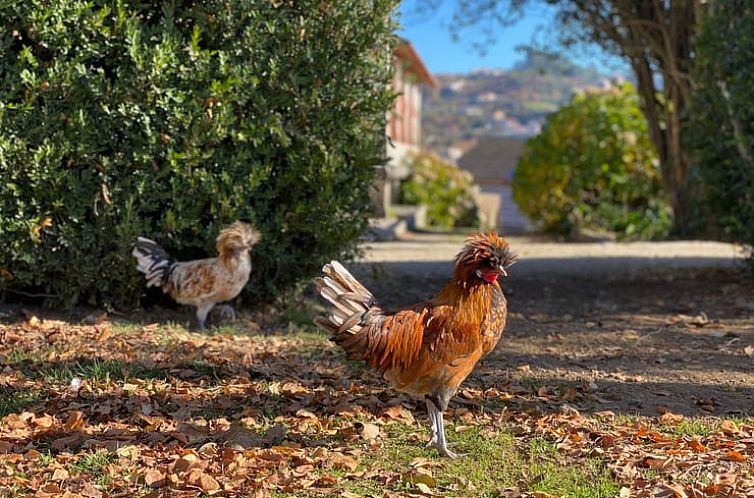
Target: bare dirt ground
<point>638,328</point>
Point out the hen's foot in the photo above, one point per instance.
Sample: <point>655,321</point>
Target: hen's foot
<point>226,311</point>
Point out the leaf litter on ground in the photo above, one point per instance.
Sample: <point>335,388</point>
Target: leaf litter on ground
<point>99,410</point>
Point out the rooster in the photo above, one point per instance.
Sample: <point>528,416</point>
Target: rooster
<point>428,349</point>
<point>203,282</point>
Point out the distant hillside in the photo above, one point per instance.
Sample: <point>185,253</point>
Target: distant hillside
<point>499,102</point>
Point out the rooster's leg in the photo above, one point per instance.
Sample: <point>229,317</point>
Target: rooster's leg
<point>433,423</point>
<point>201,315</point>
<point>442,444</point>
<point>435,414</point>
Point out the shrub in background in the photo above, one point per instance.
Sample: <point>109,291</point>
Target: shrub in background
<point>721,122</point>
<point>593,167</point>
<point>446,190</point>
<point>169,119</point>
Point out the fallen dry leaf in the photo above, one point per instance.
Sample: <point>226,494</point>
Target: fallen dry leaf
<point>729,427</point>
<point>200,479</point>
<point>669,418</point>
<point>368,431</point>
<point>735,456</point>
<point>399,414</point>
<point>420,475</point>
<point>75,420</point>
<point>154,478</point>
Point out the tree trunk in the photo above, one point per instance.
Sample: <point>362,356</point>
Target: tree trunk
<point>656,37</point>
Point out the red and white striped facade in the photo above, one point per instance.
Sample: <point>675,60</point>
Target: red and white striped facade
<point>404,122</point>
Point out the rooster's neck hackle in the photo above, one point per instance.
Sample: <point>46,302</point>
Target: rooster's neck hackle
<point>465,289</point>
<point>478,249</point>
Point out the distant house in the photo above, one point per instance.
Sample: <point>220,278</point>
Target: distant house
<point>404,122</point>
<point>492,162</point>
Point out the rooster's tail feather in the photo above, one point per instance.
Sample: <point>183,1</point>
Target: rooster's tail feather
<point>351,301</point>
<point>153,261</point>
<point>363,329</point>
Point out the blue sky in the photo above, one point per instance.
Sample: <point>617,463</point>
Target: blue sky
<point>432,38</point>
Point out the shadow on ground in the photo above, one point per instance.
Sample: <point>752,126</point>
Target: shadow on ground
<point>645,337</point>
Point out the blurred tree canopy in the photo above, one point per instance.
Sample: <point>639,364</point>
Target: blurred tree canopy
<point>593,167</point>
<point>721,124</point>
<point>654,37</point>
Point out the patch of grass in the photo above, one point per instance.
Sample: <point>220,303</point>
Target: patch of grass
<point>301,312</point>
<point>213,373</point>
<point>493,461</point>
<point>309,342</point>
<point>214,412</point>
<point>362,487</point>
<point>46,458</point>
<point>693,427</point>
<point>739,421</point>
<point>93,369</point>
<point>229,330</point>
<point>18,356</point>
<point>167,334</point>
<point>315,337</point>
<point>125,327</point>
<point>94,464</point>
<point>14,491</point>
<point>551,474</point>
<point>18,400</point>
<point>622,419</point>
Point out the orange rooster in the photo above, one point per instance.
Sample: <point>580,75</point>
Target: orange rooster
<point>203,282</point>
<point>426,350</point>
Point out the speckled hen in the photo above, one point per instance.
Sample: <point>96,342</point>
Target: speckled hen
<point>203,282</point>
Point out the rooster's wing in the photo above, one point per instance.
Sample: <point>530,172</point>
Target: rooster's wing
<point>398,340</point>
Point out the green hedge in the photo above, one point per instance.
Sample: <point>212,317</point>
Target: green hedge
<point>446,190</point>
<point>169,119</point>
<point>721,122</point>
<point>593,167</point>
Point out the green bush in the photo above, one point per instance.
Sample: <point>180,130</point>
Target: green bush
<point>593,167</point>
<point>721,121</point>
<point>169,119</point>
<point>445,189</point>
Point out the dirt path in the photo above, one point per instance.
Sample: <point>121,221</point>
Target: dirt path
<point>633,328</point>
<point>542,257</point>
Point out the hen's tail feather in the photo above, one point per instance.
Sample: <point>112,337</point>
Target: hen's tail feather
<point>153,261</point>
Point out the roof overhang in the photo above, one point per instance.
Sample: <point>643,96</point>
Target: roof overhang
<point>407,53</point>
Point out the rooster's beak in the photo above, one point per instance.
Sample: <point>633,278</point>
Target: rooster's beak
<point>501,268</point>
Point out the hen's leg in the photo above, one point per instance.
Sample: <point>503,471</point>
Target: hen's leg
<point>201,315</point>
<point>226,311</point>
<point>432,423</point>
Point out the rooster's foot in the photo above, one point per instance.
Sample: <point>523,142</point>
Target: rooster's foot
<point>444,451</point>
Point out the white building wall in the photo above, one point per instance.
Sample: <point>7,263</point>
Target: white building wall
<point>511,220</point>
